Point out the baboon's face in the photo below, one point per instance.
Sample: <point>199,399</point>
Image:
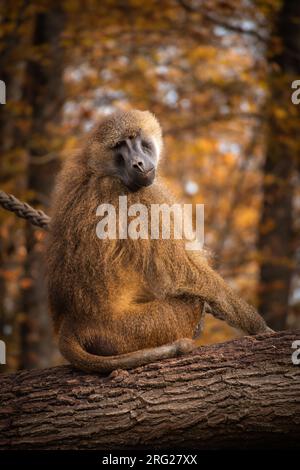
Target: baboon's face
<point>135,161</point>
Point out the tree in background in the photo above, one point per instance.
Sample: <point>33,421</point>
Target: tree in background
<point>13,122</point>
<point>277,241</point>
<point>43,94</point>
<point>32,66</point>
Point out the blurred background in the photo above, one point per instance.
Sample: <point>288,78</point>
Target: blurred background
<point>218,76</point>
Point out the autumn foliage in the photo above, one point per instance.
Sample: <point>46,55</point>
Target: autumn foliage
<point>217,74</point>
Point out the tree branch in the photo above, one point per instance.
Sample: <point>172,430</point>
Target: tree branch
<point>244,393</point>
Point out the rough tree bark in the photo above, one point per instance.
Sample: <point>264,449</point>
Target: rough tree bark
<point>242,394</point>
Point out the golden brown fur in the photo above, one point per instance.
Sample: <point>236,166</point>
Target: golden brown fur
<point>114,300</point>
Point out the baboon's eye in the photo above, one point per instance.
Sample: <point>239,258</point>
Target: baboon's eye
<point>146,145</point>
<point>118,144</point>
<point>119,160</point>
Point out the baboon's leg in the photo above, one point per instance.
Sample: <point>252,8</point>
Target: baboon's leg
<point>145,325</point>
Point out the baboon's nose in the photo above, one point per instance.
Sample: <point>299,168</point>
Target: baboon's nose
<point>142,166</point>
<point>139,165</point>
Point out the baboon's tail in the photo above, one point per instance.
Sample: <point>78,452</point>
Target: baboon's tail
<point>72,350</point>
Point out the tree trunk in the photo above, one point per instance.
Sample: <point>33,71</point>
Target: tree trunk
<point>240,394</point>
<point>276,240</point>
<point>13,46</point>
<point>44,93</point>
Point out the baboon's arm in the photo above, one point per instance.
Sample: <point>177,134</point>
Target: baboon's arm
<point>73,351</point>
<point>202,281</point>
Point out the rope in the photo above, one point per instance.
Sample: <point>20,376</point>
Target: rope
<point>24,210</point>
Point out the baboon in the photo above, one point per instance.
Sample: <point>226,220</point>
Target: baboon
<point>122,303</point>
